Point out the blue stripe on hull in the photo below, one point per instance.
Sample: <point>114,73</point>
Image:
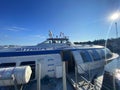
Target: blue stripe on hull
<point>27,53</point>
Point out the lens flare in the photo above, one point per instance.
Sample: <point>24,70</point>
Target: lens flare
<point>115,16</point>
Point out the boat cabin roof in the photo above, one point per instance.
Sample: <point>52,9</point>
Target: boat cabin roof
<point>57,40</point>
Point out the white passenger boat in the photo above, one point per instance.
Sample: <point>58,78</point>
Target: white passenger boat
<point>89,60</point>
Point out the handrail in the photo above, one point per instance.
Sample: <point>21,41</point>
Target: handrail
<point>100,84</point>
<point>89,82</point>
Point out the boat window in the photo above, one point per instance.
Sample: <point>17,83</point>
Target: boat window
<point>85,56</point>
<point>32,65</point>
<point>108,54</point>
<point>102,53</point>
<point>3,65</point>
<point>48,41</point>
<point>94,55</point>
<point>63,41</point>
<point>18,49</point>
<point>54,41</point>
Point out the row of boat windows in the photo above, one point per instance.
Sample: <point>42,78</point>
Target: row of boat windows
<point>90,55</point>
<point>56,41</point>
<point>29,49</point>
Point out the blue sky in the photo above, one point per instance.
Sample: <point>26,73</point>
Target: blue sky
<point>27,22</point>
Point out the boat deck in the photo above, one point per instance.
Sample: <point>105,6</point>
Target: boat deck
<point>81,83</point>
<point>53,84</point>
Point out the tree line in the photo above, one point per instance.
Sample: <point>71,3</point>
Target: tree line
<point>112,44</point>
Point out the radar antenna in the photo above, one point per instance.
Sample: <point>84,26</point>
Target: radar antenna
<point>50,34</point>
<point>62,34</point>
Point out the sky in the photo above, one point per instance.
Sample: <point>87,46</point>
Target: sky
<point>27,22</point>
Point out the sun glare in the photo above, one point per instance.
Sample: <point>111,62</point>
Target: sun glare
<point>115,16</point>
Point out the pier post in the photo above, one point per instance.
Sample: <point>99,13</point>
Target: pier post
<point>39,76</point>
<point>76,75</point>
<point>64,76</point>
<point>65,54</point>
<point>114,86</point>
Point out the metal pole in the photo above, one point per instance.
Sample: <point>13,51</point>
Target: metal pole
<point>89,72</point>
<point>39,76</point>
<point>64,76</point>
<point>76,70</point>
<point>114,86</point>
<point>116,30</point>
